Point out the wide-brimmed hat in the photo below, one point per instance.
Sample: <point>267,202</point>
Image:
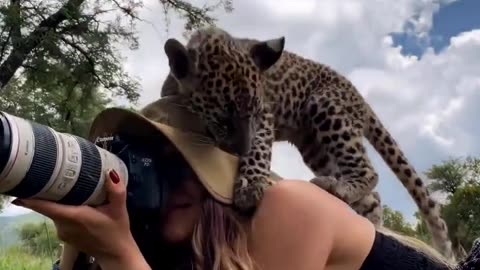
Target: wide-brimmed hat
<point>167,118</point>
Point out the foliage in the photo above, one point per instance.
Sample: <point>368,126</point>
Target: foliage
<point>462,215</point>
<point>70,113</point>
<point>395,221</point>
<point>77,38</point>
<point>454,173</point>
<point>421,229</point>
<point>40,239</point>
<point>69,41</point>
<point>459,178</point>
<point>195,17</point>
<point>17,258</point>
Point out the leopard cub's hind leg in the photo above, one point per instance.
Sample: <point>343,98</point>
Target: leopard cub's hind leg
<point>333,150</point>
<point>314,155</point>
<point>370,207</point>
<point>343,150</point>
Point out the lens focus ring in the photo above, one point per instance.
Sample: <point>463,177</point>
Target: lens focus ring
<point>89,176</point>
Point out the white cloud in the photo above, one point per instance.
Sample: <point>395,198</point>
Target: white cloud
<point>428,104</point>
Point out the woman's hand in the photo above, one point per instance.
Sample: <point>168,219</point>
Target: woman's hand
<point>102,232</point>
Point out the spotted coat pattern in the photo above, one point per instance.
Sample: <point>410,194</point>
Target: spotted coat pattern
<point>251,93</point>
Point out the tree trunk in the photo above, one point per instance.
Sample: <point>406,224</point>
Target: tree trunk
<point>30,42</point>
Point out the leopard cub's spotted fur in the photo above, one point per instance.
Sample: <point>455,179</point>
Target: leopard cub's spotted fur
<point>251,93</point>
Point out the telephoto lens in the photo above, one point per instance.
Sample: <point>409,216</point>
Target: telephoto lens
<point>38,162</point>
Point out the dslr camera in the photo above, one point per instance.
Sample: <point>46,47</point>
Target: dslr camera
<point>38,162</point>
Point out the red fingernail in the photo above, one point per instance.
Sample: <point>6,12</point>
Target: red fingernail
<point>114,176</point>
<point>18,202</point>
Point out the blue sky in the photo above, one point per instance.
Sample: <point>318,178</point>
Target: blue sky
<point>429,102</point>
<point>450,20</point>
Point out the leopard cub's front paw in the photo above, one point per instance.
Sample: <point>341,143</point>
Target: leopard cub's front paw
<point>248,194</point>
<point>327,183</point>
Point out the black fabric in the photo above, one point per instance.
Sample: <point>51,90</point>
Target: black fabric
<point>472,261</point>
<point>388,253</point>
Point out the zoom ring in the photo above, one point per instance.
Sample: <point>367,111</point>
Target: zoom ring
<point>89,174</point>
<point>43,163</point>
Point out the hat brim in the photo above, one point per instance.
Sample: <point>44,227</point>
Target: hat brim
<point>215,168</point>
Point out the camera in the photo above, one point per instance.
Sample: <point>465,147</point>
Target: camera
<point>38,162</point>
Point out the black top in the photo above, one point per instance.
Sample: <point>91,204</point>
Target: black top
<point>389,254</point>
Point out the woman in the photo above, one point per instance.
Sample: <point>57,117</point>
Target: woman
<point>296,226</point>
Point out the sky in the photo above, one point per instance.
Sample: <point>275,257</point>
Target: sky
<point>417,62</point>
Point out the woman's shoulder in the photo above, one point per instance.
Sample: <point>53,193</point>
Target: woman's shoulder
<point>289,228</point>
<point>293,195</point>
<point>298,215</point>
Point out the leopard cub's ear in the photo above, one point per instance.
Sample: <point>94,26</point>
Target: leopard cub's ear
<point>178,58</point>
<point>182,64</point>
<point>266,53</point>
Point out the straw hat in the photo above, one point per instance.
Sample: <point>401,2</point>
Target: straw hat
<point>167,118</point>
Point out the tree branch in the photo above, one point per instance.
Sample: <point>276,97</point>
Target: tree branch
<point>87,56</point>
<point>81,50</point>
<point>189,9</point>
<point>28,43</point>
<point>127,10</point>
<point>15,26</point>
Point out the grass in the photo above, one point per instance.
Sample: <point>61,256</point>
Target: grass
<point>17,258</point>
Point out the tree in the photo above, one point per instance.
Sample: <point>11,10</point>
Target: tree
<point>71,113</point>
<point>37,34</point>
<point>394,220</point>
<point>448,176</point>
<point>462,216</point>
<point>459,178</point>
<point>454,173</point>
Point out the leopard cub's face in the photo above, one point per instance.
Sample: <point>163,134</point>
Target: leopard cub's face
<point>223,85</point>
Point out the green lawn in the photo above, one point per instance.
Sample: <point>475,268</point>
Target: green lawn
<point>17,259</point>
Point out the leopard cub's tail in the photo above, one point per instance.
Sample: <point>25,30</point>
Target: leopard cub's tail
<point>384,143</point>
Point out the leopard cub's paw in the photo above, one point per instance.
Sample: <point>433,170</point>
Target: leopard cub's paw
<point>327,183</point>
<point>248,194</point>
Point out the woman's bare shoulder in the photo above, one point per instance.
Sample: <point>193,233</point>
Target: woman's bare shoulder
<point>293,228</point>
<point>293,195</point>
<point>301,216</point>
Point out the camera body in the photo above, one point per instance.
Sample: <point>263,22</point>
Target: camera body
<point>39,162</point>
<point>147,190</point>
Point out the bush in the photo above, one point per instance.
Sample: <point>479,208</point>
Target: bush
<point>40,239</point>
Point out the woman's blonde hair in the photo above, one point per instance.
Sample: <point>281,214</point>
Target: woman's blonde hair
<point>220,239</point>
